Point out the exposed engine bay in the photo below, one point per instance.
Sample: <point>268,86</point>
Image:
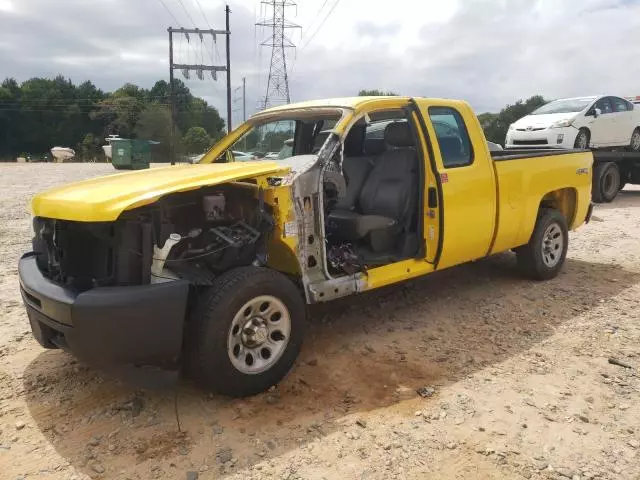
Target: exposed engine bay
<point>189,235</point>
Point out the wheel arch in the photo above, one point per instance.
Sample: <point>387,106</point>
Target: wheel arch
<point>565,200</point>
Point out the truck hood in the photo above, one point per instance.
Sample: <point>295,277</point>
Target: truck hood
<point>542,121</point>
<point>103,199</point>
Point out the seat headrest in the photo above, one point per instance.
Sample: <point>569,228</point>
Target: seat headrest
<point>374,146</point>
<point>398,134</point>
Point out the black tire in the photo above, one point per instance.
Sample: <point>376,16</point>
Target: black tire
<point>634,145</point>
<point>582,139</point>
<point>531,258</point>
<point>210,325</point>
<point>606,182</point>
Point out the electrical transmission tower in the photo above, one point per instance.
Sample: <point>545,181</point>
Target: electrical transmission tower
<point>278,82</point>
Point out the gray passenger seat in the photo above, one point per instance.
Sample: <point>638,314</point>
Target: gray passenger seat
<point>387,199</point>
<point>357,169</point>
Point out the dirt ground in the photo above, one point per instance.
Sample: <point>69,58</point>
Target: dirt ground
<point>518,383</point>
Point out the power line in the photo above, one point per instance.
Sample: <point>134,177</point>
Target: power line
<point>169,11</point>
<point>187,12</point>
<point>210,51</point>
<point>321,25</point>
<point>317,15</point>
<point>203,15</point>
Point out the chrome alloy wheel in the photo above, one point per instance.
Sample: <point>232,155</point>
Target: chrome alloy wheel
<point>552,244</point>
<point>259,334</point>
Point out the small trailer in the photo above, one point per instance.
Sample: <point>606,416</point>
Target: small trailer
<point>612,170</point>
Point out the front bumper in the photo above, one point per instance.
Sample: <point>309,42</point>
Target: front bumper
<point>124,330</point>
<point>564,137</point>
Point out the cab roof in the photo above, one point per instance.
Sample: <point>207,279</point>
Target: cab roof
<point>344,102</point>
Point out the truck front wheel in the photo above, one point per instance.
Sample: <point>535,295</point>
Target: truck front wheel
<point>582,139</point>
<point>246,331</point>
<point>543,257</point>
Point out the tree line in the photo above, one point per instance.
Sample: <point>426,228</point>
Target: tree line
<point>42,113</point>
<point>495,125</point>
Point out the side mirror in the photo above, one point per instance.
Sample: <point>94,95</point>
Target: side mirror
<point>597,112</point>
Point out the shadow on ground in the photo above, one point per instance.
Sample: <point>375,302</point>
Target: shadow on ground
<point>627,199</point>
<point>360,354</point>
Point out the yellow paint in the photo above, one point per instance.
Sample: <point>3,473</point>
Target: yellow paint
<point>524,184</point>
<point>489,206</point>
<point>104,199</point>
<point>396,272</point>
<point>282,247</point>
<point>469,191</point>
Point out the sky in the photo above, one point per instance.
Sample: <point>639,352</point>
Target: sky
<point>488,52</point>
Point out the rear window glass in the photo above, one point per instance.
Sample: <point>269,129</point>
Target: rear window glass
<point>452,135</point>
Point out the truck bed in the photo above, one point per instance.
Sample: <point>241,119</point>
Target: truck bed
<point>525,176</point>
<point>626,168</point>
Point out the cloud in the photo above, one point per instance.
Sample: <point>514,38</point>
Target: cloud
<point>489,52</point>
<point>377,31</point>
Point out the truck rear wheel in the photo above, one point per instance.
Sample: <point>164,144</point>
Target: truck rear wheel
<point>606,182</point>
<point>246,331</point>
<point>543,257</point>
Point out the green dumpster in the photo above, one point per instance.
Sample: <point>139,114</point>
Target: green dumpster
<point>128,154</point>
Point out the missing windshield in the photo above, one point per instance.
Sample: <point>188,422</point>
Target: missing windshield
<point>284,136</point>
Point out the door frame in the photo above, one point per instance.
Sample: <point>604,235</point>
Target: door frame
<point>405,269</point>
<point>426,142</point>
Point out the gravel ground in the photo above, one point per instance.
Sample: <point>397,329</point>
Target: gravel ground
<point>515,377</point>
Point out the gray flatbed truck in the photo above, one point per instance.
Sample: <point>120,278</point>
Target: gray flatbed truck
<point>612,169</point>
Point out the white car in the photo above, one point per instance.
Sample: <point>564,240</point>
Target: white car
<point>582,122</point>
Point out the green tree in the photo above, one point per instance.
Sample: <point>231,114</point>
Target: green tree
<point>251,140</point>
<point>9,118</point>
<point>376,93</point>
<point>273,141</point>
<point>196,141</point>
<point>119,114</point>
<point>201,114</point>
<point>51,112</point>
<point>41,113</point>
<point>496,125</point>
<point>90,147</point>
<point>155,124</point>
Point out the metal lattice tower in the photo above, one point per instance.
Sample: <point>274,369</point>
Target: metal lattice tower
<point>278,82</point>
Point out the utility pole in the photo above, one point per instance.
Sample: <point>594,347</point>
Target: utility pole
<point>227,11</point>
<point>237,98</point>
<point>172,128</point>
<point>278,82</point>
<point>199,69</point>
<point>244,99</point>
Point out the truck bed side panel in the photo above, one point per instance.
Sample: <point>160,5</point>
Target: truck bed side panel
<point>524,181</point>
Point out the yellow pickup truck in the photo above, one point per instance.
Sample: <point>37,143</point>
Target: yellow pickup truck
<point>207,269</point>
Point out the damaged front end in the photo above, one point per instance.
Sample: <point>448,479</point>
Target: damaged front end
<point>190,236</point>
<point>116,294</point>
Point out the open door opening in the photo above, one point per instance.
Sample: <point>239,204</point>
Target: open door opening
<point>379,219</point>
